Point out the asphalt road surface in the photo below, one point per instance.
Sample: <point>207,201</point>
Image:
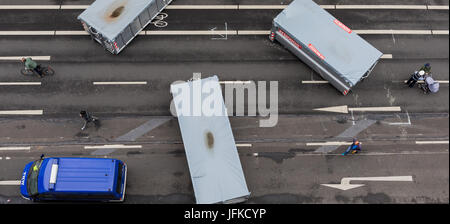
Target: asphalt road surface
<point>287,163</point>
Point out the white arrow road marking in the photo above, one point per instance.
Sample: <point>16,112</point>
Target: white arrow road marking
<point>345,109</point>
<point>10,183</point>
<point>345,182</point>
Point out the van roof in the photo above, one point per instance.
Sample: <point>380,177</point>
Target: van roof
<point>81,175</point>
<point>340,47</point>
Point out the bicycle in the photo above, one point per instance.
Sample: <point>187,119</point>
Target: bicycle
<point>46,71</point>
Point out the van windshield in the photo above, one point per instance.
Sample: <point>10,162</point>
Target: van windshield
<point>32,180</point>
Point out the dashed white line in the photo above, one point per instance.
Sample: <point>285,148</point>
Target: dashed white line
<point>113,147</point>
<point>421,7</point>
<point>431,142</point>
<point>202,7</point>
<point>327,143</point>
<point>17,58</point>
<point>10,182</point>
<point>120,83</point>
<point>20,83</point>
<point>21,112</point>
<point>20,148</point>
<point>29,33</point>
<point>243,145</point>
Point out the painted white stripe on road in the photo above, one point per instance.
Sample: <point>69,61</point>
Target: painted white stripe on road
<point>10,183</point>
<point>74,6</point>
<point>17,58</point>
<point>327,143</point>
<point>120,83</point>
<point>243,145</point>
<point>421,7</point>
<point>73,32</point>
<point>235,82</point>
<point>192,32</point>
<point>253,32</point>
<point>439,32</point>
<point>437,7</point>
<point>27,33</point>
<point>372,109</point>
<point>20,83</point>
<point>408,32</point>
<point>202,7</point>
<point>386,56</point>
<point>21,112</point>
<point>28,148</point>
<point>431,142</point>
<point>29,6</point>
<point>113,147</point>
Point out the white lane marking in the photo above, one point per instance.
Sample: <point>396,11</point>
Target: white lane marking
<point>192,32</point>
<point>408,32</point>
<point>17,58</point>
<point>113,147</point>
<point>437,7</point>
<point>439,32</point>
<point>20,83</point>
<point>314,82</point>
<point>421,7</point>
<point>120,83</point>
<point>431,142</point>
<point>386,56</point>
<point>236,82</point>
<point>10,183</point>
<point>27,148</point>
<point>202,7</point>
<point>217,32</point>
<point>71,32</point>
<point>243,145</point>
<point>335,109</point>
<point>27,33</point>
<point>345,182</point>
<point>403,123</point>
<point>373,109</point>
<point>21,112</point>
<point>236,7</point>
<point>327,143</point>
<point>74,6</point>
<point>253,32</point>
<point>29,6</point>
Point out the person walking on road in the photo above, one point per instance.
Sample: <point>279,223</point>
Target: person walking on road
<point>354,148</point>
<point>417,76</point>
<point>87,119</point>
<point>32,65</point>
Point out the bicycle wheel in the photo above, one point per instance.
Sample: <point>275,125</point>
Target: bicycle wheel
<point>26,72</point>
<point>48,71</point>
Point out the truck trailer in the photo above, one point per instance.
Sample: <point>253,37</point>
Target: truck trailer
<point>329,47</point>
<point>115,23</point>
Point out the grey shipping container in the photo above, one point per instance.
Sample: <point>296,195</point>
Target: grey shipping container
<point>114,23</point>
<point>325,44</point>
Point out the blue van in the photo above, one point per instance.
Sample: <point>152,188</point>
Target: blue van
<point>73,179</point>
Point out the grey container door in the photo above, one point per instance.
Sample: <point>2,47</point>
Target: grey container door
<point>144,17</point>
<point>162,4</point>
<point>153,9</point>
<point>135,26</point>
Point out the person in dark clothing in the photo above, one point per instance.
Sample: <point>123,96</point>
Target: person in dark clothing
<point>32,65</point>
<point>87,118</point>
<point>416,76</point>
<point>354,148</point>
<point>426,68</point>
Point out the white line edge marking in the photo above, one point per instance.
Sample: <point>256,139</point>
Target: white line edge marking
<point>20,83</point>
<point>243,145</point>
<point>10,183</point>
<point>14,58</point>
<point>21,112</point>
<point>327,143</point>
<point>431,142</point>
<point>27,148</point>
<point>120,83</point>
<point>114,147</point>
<point>236,7</point>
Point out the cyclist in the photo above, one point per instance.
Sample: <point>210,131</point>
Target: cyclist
<point>32,65</point>
<point>87,118</point>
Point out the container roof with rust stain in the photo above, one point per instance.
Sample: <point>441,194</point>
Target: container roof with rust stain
<point>111,17</point>
<point>214,164</point>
